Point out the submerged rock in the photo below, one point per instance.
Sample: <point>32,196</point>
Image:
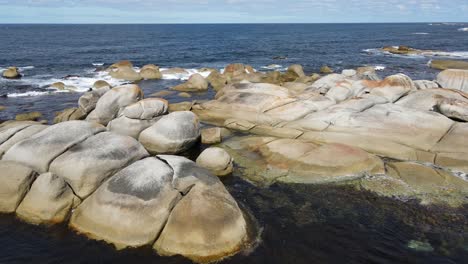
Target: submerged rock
<point>33,116</point>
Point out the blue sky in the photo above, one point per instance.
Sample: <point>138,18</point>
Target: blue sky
<point>231,11</point>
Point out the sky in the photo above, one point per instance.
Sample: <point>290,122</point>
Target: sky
<point>232,11</point>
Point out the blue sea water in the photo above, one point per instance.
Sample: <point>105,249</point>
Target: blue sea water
<point>47,53</point>
<point>297,224</point>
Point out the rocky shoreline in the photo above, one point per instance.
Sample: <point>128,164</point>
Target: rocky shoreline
<point>110,168</point>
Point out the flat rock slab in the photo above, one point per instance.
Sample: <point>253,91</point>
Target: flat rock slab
<point>131,208</point>
<point>16,180</point>
<point>42,148</point>
<point>289,160</point>
<point>49,201</point>
<point>87,164</point>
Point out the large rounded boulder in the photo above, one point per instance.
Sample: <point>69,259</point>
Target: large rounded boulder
<point>150,72</point>
<point>16,180</point>
<point>11,73</point>
<point>454,79</point>
<point>113,101</point>
<point>42,148</point>
<point>86,165</point>
<point>196,83</point>
<point>49,201</point>
<point>131,208</point>
<point>172,134</point>
<point>216,160</point>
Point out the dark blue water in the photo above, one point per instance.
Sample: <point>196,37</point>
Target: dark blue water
<point>56,51</point>
<point>299,223</point>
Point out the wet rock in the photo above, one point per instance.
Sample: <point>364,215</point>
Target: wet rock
<point>297,69</point>
<point>195,83</point>
<point>87,164</point>
<point>184,95</point>
<point>131,208</point>
<point>182,106</point>
<point>449,64</point>
<point>124,70</point>
<point>69,115</point>
<point>11,73</point>
<point>33,116</point>
<point>454,79</point>
<point>49,201</point>
<point>216,160</point>
<point>163,93</point>
<point>211,135</point>
<point>326,70</point>
<point>171,71</point>
<point>150,72</point>
<point>113,101</point>
<point>42,148</point>
<point>217,80</point>
<point>16,180</point>
<point>58,85</point>
<point>206,224</point>
<point>172,134</point>
<point>101,84</point>
<point>2,107</point>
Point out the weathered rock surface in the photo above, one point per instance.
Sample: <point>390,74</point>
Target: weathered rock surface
<point>173,133</point>
<point>124,70</point>
<point>87,164</point>
<point>150,72</point>
<point>16,180</point>
<point>11,73</point>
<point>32,116</point>
<point>449,64</point>
<point>49,201</point>
<point>113,101</point>
<point>88,101</point>
<point>454,79</point>
<point>216,160</point>
<point>217,226</point>
<point>196,83</point>
<point>42,148</point>
<point>131,208</point>
<point>290,160</point>
<point>20,135</point>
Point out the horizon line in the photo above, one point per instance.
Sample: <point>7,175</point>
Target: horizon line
<point>234,23</point>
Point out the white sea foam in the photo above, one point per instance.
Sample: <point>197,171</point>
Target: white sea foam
<point>26,94</point>
<point>20,68</point>
<point>420,33</point>
<point>183,76</point>
<point>379,68</point>
<point>463,29</point>
<point>98,64</point>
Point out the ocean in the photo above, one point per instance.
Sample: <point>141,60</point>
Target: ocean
<point>296,223</point>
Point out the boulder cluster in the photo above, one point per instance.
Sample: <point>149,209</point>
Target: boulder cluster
<point>112,175</point>
<point>341,126</point>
